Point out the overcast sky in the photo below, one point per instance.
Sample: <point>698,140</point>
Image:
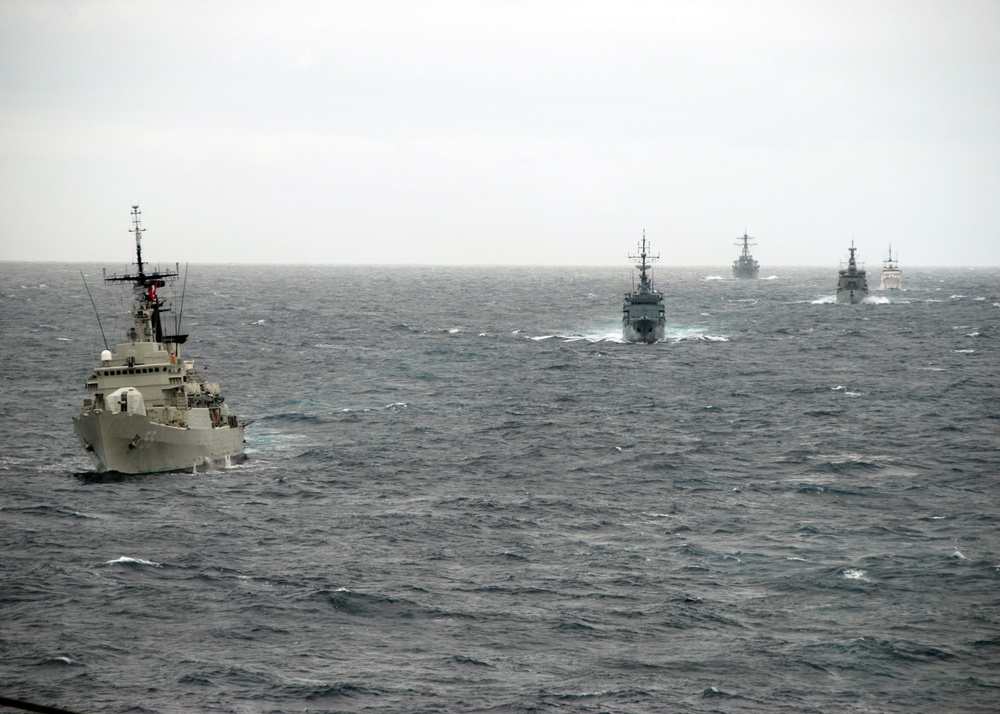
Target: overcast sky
<point>501,132</point>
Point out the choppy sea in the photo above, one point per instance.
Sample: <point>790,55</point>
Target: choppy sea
<point>464,493</point>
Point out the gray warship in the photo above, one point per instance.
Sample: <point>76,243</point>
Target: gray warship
<point>852,284</point>
<point>148,410</point>
<point>892,276</point>
<point>745,267</point>
<point>643,317</point>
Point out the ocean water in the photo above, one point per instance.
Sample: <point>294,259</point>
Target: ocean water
<point>464,493</point>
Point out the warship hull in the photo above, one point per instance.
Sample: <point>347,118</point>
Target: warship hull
<point>745,267</point>
<point>852,282</point>
<point>643,317</point>
<point>745,272</point>
<point>133,444</point>
<point>851,297</point>
<point>643,330</point>
<point>148,408</point>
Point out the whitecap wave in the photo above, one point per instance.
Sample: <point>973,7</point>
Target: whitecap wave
<point>125,560</point>
<point>679,334</point>
<point>597,337</point>
<point>673,334</point>
<point>590,337</point>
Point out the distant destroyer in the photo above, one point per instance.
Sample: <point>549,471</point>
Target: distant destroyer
<point>892,276</point>
<point>643,317</point>
<point>745,267</point>
<point>852,285</point>
<point>148,410</point>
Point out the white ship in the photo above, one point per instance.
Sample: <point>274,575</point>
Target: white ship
<point>892,276</point>
<point>148,410</point>
<point>643,317</point>
<point>852,283</point>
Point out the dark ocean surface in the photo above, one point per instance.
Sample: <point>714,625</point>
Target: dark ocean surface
<point>465,494</point>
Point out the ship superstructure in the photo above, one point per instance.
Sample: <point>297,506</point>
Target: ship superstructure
<point>745,267</point>
<point>643,316</point>
<point>148,409</point>
<point>852,283</point>
<point>892,276</point>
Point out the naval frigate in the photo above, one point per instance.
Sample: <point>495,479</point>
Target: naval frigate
<point>852,283</point>
<point>148,409</point>
<point>892,276</point>
<point>745,267</point>
<point>643,317</point>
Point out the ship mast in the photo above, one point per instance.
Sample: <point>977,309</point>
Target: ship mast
<point>138,239</point>
<point>148,306</point>
<point>852,265</point>
<point>646,264</point>
<point>745,240</point>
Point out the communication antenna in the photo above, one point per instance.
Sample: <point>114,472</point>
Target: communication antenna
<point>95,311</point>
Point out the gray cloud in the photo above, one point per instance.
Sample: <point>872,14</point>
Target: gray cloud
<point>500,132</point>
